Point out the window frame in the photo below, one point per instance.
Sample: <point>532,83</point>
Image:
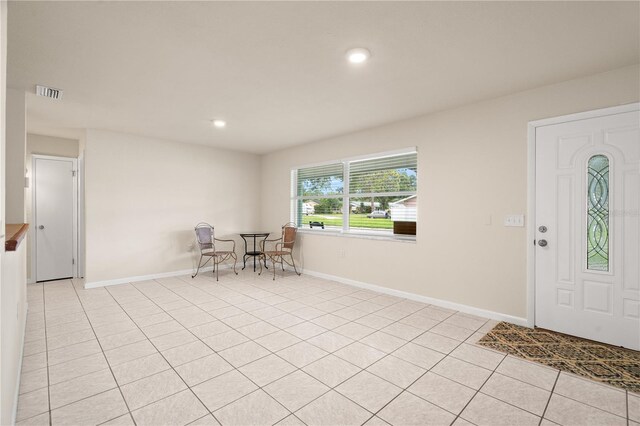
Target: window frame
<point>347,195</point>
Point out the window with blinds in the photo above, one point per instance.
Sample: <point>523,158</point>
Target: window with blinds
<point>374,195</point>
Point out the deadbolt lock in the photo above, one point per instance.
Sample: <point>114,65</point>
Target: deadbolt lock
<point>542,229</point>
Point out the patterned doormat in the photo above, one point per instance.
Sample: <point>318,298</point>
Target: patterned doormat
<point>608,364</point>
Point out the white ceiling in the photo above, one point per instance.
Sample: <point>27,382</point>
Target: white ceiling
<point>277,72</point>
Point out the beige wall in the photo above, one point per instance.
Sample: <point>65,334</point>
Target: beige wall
<point>3,109</point>
<point>16,128</point>
<point>472,165</point>
<point>50,145</point>
<point>13,303</point>
<point>45,145</point>
<point>144,196</point>
<point>6,387</point>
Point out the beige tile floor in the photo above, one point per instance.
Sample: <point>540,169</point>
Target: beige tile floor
<point>299,350</point>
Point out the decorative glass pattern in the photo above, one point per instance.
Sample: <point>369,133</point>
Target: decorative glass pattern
<point>598,213</point>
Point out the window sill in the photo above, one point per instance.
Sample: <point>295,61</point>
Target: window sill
<point>356,234</point>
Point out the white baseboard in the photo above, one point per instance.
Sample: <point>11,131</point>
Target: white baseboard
<point>424,299</point>
<point>14,414</point>
<point>127,280</point>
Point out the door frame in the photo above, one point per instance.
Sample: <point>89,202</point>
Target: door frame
<point>531,189</point>
<point>80,261</point>
<point>34,214</point>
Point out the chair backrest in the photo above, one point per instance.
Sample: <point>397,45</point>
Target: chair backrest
<point>289,232</point>
<point>205,236</point>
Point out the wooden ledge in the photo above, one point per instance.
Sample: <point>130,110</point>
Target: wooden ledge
<point>15,233</point>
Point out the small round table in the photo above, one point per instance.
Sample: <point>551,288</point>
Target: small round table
<point>255,252</point>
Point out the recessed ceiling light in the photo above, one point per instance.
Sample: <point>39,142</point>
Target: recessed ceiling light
<point>358,55</point>
<point>220,124</point>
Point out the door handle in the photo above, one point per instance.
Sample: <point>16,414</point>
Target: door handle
<point>41,227</point>
<point>542,243</point>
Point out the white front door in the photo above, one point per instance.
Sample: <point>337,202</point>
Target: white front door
<point>587,258</point>
<point>53,211</point>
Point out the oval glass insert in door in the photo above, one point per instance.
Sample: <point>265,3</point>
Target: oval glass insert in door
<point>598,213</point>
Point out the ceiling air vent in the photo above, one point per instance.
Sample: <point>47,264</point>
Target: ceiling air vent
<point>48,92</point>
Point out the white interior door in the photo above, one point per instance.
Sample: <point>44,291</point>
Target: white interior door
<point>54,217</point>
<point>587,258</point>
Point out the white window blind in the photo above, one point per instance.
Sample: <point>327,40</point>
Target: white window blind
<point>386,175</point>
<point>321,180</point>
<point>376,195</point>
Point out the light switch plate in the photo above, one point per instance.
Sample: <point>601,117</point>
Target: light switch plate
<point>514,220</point>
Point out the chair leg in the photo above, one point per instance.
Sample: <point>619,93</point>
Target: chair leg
<point>198,269</point>
<point>235,260</point>
<point>273,262</point>
<point>217,268</point>
<point>293,262</point>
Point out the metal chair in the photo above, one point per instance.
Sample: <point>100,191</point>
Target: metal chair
<point>206,241</point>
<point>281,248</point>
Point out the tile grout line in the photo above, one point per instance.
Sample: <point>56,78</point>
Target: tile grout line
<point>522,381</point>
<point>297,368</point>
<point>270,353</point>
<point>46,345</point>
<point>593,382</point>
<point>385,356</point>
<point>421,376</point>
<point>216,352</point>
<point>478,391</point>
<point>49,386</point>
<point>305,320</point>
<point>330,313</point>
<point>163,357</point>
<point>553,388</point>
<point>505,355</point>
<point>45,352</point>
<point>382,307</point>
<point>333,388</point>
<point>84,375</point>
<point>108,364</point>
<point>351,321</point>
<point>551,393</point>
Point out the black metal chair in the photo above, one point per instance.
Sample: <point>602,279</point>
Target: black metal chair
<point>206,240</point>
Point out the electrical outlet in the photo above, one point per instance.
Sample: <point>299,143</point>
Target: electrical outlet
<point>514,220</point>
